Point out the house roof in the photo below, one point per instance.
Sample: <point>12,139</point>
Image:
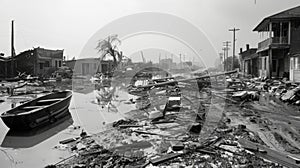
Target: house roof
<point>291,13</point>
<point>249,54</point>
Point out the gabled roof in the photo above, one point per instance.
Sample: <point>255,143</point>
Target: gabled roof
<point>286,14</point>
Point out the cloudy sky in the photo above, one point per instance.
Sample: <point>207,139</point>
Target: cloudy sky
<point>69,24</point>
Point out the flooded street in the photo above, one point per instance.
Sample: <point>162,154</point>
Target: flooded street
<point>150,84</point>
<point>42,144</point>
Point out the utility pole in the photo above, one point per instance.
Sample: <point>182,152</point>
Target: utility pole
<point>221,60</point>
<point>226,46</point>
<point>159,58</point>
<point>180,63</point>
<point>12,49</point>
<point>224,58</point>
<point>233,43</point>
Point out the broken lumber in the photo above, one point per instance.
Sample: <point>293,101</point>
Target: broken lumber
<point>69,140</point>
<point>166,158</point>
<point>224,98</point>
<point>128,126</point>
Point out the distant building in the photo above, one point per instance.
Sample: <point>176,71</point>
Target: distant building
<point>36,62</point>
<point>279,52</point>
<point>249,61</point>
<point>39,61</point>
<point>167,63</point>
<point>89,66</point>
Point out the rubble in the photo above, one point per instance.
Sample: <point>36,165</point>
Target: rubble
<point>249,134</point>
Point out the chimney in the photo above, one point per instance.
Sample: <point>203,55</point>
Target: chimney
<point>247,47</point>
<point>241,50</point>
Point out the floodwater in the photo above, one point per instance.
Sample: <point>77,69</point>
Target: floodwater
<point>40,147</point>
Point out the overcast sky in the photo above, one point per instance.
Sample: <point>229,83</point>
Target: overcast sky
<point>69,24</point>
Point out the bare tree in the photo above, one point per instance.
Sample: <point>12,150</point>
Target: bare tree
<point>109,47</point>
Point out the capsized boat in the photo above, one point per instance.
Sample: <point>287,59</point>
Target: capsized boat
<point>45,109</point>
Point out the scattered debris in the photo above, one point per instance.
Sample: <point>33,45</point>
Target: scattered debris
<point>249,133</point>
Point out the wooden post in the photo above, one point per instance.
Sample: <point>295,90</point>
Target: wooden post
<point>270,52</point>
<point>270,63</point>
<point>280,34</point>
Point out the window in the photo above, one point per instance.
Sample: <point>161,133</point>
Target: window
<point>56,63</point>
<point>59,63</point>
<point>41,65</point>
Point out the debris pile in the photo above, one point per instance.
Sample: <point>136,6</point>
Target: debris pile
<point>136,146</point>
<point>258,127</point>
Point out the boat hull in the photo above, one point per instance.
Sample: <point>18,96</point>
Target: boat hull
<point>40,117</point>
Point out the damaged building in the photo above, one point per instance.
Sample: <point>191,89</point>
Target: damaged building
<point>279,50</point>
<point>249,61</point>
<point>36,62</point>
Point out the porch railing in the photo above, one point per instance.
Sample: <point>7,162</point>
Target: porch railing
<point>274,40</point>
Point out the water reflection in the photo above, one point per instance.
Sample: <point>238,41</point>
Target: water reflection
<point>18,139</point>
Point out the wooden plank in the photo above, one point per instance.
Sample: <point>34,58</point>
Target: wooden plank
<point>69,140</point>
<point>165,158</point>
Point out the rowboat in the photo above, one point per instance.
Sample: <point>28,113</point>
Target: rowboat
<point>45,109</point>
<point>26,139</point>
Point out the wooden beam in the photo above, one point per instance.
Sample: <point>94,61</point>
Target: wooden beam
<point>166,158</point>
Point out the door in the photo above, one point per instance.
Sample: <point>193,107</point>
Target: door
<point>275,68</point>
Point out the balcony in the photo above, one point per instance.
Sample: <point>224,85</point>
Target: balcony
<point>274,41</point>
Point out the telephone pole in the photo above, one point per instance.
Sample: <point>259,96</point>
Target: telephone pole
<point>233,45</point>
<point>226,46</point>
<point>12,49</point>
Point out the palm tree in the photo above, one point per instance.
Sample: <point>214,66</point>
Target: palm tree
<point>109,46</point>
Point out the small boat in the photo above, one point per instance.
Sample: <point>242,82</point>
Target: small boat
<point>45,109</point>
<point>21,139</point>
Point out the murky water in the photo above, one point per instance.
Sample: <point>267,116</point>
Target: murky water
<point>38,148</point>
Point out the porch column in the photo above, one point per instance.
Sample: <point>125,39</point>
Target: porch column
<point>270,31</point>
<point>270,52</point>
<point>280,33</point>
<point>270,63</point>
